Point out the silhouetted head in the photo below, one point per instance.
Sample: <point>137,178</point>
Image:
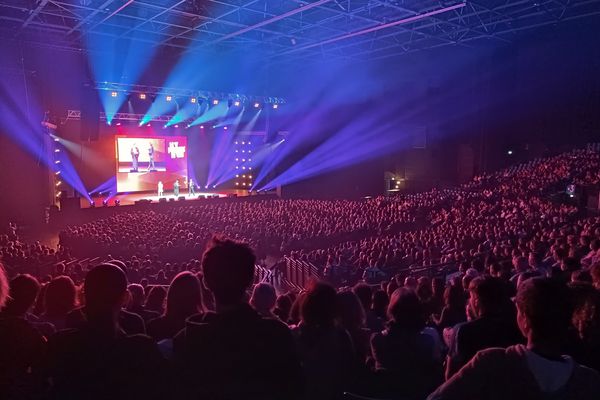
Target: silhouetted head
<point>351,313</point>
<point>487,295</point>
<point>263,298</point>
<point>136,294</point>
<point>228,270</point>
<point>543,310</point>
<point>318,307</point>
<point>184,296</point>
<point>105,288</point>
<point>60,296</point>
<point>364,293</point>
<point>24,289</point>
<point>405,310</point>
<point>156,299</point>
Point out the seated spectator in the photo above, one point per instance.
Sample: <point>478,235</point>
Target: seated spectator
<point>263,300</point>
<point>21,344</point>
<point>351,317</point>
<point>98,360</point>
<point>533,371</point>
<point>283,306</point>
<point>586,320</point>
<point>404,356</point>
<point>155,301</point>
<point>60,298</point>
<point>494,324</point>
<point>234,353</point>
<point>136,302</point>
<point>454,307</point>
<point>184,299</point>
<point>326,351</point>
<point>365,294</point>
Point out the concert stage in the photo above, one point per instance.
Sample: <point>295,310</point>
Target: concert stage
<point>131,198</point>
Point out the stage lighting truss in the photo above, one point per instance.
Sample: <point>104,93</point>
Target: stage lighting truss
<point>144,92</point>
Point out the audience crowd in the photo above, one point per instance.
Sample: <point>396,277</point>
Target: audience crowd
<point>489,290</point>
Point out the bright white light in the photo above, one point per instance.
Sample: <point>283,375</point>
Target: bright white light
<point>113,94</point>
<point>169,98</point>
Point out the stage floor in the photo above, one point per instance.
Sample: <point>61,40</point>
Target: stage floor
<point>131,198</point>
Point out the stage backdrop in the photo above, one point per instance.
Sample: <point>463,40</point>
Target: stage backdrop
<point>141,162</point>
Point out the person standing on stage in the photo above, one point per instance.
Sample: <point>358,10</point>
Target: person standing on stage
<point>160,189</point>
<point>176,188</point>
<point>151,166</point>
<point>191,187</point>
<point>135,155</point>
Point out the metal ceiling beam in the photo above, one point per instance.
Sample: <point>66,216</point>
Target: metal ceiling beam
<point>270,21</point>
<point>34,13</point>
<point>166,10</point>
<point>103,20</point>
<point>90,16</point>
<point>377,28</point>
<point>206,21</point>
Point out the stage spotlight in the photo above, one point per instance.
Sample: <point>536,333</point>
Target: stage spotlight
<point>57,173</point>
<point>58,183</point>
<point>169,98</point>
<point>256,105</point>
<point>509,152</point>
<point>237,103</point>
<point>56,139</point>
<point>249,176</point>
<point>224,128</point>
<point>117,202</point>
<point>105,203</point>
<point>57,150</point>
<point>214,186</point>
<point>275,106</point>
<point>237,184</point>
<point>118,124</point>
<point>92,204</point>
<point>176,126</point>
<point>193,100</point>
<point>215,102</point>
<point>205,186</point>
<point>57,162</point>
<point>149,124</point>
<point>113,94</point>
<point>142,96</point>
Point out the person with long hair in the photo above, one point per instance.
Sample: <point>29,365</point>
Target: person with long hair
<point>184,299</point>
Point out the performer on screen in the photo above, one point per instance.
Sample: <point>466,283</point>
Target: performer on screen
<point>191,187</point>
<point>160,189</point>
<point>151,166</point>
<point>135,155</point>
<point>176,188</point>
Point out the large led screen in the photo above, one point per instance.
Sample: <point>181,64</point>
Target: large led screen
<point>143,162</point>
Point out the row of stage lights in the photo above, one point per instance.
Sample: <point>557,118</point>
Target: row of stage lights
<point>197,100</point>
